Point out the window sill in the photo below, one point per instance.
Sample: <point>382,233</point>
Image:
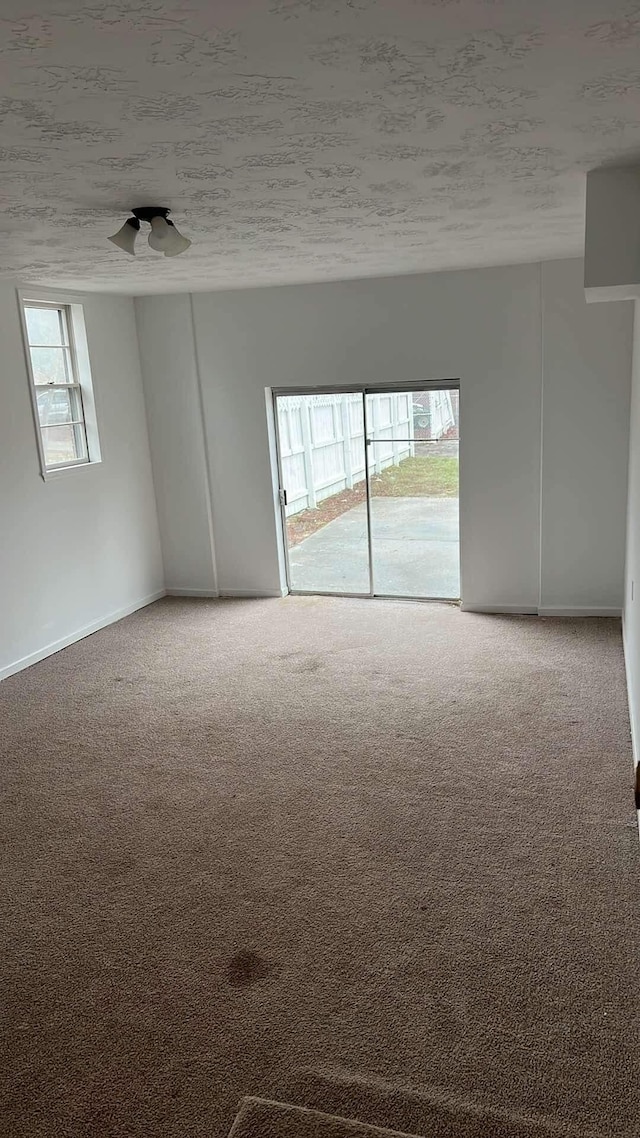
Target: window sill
<point>59,471</point>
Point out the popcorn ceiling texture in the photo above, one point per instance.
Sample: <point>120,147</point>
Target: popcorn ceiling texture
<point>301,140</point>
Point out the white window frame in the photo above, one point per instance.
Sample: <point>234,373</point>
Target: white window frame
<point>77,360</point>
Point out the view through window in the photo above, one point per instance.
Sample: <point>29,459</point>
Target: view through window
<point>57,390</point>
<point>372,506</point>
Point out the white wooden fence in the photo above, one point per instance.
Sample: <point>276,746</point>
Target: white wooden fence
<point>441,416</point>
<point>322,442</point>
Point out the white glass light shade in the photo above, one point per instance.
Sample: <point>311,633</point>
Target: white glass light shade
<point>125,238</point>
<point>175,243</point>
<point>160,234</point>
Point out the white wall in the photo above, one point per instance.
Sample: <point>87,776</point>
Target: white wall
<point>540,374</point>
<point>82,547</point>
<point>530,536</point>
<point>586,390</point>
<point>631,612</point>
<point>178,455</point>
<point>481,327</point>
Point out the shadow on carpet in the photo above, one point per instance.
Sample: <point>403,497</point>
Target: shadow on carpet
<point>265,1118</point>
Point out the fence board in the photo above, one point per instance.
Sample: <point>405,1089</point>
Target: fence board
<point>322,442</point>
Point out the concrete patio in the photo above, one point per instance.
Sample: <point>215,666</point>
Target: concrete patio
<point>415,550</point>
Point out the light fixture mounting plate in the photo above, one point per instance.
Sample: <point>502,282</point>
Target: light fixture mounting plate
<point>147,212</point>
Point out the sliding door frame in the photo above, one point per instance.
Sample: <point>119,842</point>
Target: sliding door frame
<point>363,390</point>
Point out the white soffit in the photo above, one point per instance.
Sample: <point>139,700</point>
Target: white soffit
<point>612,234</point>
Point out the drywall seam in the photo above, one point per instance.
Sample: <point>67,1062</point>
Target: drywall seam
<point>146,419</point>
<point>205,444</point>
<point>79,634</point>
<point>628,569</point>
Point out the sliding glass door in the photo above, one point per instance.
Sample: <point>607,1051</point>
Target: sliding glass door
<point>369,491</point>
<point>324,499</point>
<point>413,482</point>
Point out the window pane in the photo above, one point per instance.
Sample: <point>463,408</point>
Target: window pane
<point>43,325</point>
<point>323,471</point>
<point>414,501</point>
<point>56,406</point>
<point>62,444</point>
<point>49,365</point>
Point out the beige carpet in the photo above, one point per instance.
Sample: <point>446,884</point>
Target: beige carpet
<point>262,1118</point>
<point>374,859</point>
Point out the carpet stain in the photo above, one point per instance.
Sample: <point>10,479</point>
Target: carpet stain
<point>119,869</point>
<point>246,968</point>
<point>305,661</point>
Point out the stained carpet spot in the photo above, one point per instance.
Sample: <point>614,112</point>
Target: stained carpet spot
<point>119,869</point>
<point>246,968</point>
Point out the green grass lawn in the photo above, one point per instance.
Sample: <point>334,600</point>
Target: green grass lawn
<point>431,477</point>
<point>419,477</point>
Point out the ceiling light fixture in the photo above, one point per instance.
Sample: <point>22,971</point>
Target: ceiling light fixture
<point>163,238</point>
<point>125,238</point>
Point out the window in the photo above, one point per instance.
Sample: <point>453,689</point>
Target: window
<point>57,389</point>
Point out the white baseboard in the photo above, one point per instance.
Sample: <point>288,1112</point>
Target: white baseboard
<point>243,594</point>
<point>192,593</point>
<point>578,610</point>
<point>248,594</point>
<point>545,610</point>
<point>630,700</point>
<point>79,634</point>
<point>507,610</point>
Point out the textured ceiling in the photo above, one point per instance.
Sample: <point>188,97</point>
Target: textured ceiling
<point>301,140</point>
